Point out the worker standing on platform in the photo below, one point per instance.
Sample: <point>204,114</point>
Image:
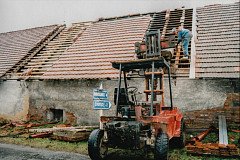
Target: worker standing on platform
<point>184,36</point>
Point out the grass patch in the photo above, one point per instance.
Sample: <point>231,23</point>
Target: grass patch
<point>77,147</point>
<point>212,137</point>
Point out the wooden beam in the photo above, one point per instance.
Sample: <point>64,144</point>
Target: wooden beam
<point>194,39</point>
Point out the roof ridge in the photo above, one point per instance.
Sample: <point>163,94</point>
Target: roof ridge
<point>127,16</point>
<point>218,4</point>
<point>123,17</point>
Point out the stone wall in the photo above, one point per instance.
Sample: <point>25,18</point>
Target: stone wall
<point>74,97</point>
<point>196,94</point>
<point>14,100</point>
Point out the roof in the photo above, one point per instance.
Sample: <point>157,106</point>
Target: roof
<point>218,45</point>
<point>90,58</point>
<point>15,45</point>
<point>86,50</point>
<point>105,41</point>
<point>45,58</point>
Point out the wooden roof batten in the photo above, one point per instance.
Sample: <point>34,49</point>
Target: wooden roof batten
<point>34,66</point>
<point>10,74</point>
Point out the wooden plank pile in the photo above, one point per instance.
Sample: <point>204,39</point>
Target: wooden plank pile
<point>223,148</point>
<point>73,135</point>
<point>216,149</point>
<point>202,119</point>
<point>63,133</point>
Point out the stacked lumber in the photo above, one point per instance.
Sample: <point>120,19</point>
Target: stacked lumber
<point>73,135</point>
<point>216,149</point>
<point>68,134</point>
<point>202,119</point>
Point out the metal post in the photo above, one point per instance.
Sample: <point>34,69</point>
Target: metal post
<point>149,45</point>
<point>155,44</point>
<point>170,87</point>
<point>159,42</point>
<point>152,85</point>
<point>101,111</point>
<point>119,86</point>
<point>125,82</point>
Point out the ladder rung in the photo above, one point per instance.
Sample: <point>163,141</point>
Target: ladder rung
<point>154,91</point>
<point>155,73</point>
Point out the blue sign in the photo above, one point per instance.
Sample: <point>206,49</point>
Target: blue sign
<point>100,94</point>
<point>101,104</point>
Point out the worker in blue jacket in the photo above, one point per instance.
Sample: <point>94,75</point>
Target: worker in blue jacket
<point>184,36</point>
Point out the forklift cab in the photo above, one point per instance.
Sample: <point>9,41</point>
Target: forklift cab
<point>126,101</point>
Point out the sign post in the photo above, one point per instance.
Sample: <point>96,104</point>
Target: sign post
<point>100,101</point>
<point>100,111</point>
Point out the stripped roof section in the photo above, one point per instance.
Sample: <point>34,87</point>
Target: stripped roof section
<point>45,58</point>
<point>15,45</point>
<point>166,21</point>
<point>218,45</point>
<point>105,41</point>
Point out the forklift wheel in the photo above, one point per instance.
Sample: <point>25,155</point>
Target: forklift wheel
<point>161,147</point>
<point>97,150</point>
<point>182,138</point>
<point>181,141</point>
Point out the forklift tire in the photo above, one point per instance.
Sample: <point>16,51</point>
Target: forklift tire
<point>96,149</point>
<point>181,141</point>
<point>161,147</point>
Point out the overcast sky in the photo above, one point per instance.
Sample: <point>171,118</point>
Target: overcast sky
<point>22,14</point>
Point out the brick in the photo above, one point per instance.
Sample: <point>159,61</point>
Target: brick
<point>222,146</point>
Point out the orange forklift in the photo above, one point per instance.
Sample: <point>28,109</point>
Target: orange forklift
<point>148,124</point>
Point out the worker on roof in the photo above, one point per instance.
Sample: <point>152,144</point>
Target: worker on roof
<point>184,36</point>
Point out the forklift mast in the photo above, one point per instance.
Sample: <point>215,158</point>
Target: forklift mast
<point>152,62</point>
<point>152,39</point>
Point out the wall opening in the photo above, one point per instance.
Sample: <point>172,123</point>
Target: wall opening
<point>55,115</point>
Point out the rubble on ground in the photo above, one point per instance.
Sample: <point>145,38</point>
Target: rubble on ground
<point>64,132</point>
<point>3,121</point>
<point>200,144</point>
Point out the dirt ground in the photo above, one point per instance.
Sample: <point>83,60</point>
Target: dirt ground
<point>13,133</point>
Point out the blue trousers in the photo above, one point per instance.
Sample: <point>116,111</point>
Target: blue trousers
<point>185,43</point>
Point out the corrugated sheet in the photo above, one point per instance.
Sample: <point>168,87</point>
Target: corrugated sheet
<point>218,45</point>
<point>15,45</point>
<point>105,41</point>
